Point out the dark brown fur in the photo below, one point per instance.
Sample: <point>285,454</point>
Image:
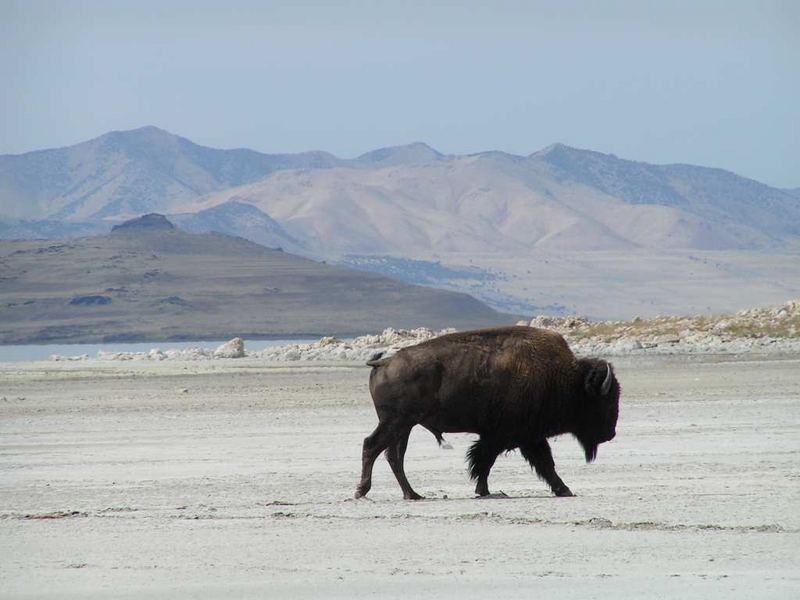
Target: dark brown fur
<point>513,386</point>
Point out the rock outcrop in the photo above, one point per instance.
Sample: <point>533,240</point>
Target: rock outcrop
<point>756,329</point>
<point>231,349</point>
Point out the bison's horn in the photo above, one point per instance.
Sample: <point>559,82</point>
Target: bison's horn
<point>604,389</point>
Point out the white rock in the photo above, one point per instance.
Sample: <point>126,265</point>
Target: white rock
<point>156,354</point>
<point>231,349</point>
<point>58,357</point>
<point>626,345</point>
<point>560,324</point>
<point>359,349</point>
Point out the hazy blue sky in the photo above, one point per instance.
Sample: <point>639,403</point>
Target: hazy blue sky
<point>714,83</point>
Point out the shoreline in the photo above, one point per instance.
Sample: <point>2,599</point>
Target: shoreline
<point>763,330</point>
<point>357,351</point>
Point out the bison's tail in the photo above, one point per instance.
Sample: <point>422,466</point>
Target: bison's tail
<point>376,360</point>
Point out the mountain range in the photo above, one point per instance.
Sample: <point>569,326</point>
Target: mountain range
<point>129,172</point>
<point>498,216</point>
<point>124,173</point>
<point>558,199</point>
<point>409,200</point>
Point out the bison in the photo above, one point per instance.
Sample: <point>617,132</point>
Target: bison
<point>513,386</point>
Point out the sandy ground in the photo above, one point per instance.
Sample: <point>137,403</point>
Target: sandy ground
<point>115,482</point>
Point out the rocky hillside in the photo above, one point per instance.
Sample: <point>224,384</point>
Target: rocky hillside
<point>776,327</point>
<point>761,330</point>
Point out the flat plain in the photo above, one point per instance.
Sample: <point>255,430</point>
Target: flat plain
<point>234,478</point>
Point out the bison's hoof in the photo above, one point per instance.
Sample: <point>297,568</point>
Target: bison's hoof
<point>359,494</point>
<point>564,492</point>
<point>413,496</point>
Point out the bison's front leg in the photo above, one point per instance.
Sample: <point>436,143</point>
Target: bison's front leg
<point>540,457</point>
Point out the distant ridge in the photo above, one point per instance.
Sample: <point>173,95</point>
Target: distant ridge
<point>243,220</point>
<point>558,199</point>
<point>150,281</point>
<point>414,153</point>
<point>408,200</point>
<point>126,173</point>
<point>149,222</point>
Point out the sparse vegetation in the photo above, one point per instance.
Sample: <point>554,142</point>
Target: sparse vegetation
<point>776,322</point>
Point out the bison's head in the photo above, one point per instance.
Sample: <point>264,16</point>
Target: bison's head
<point>599,405</point>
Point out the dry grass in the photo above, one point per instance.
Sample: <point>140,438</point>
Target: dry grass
<point>781,322</point>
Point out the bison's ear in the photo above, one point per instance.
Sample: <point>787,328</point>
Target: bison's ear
<point>599,378</point>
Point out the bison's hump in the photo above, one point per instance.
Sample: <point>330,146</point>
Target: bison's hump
<point>497,338</point>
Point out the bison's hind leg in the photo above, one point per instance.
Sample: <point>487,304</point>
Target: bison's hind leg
<point>374,444</point>
<point>481,456</point>
<point>395,454</point>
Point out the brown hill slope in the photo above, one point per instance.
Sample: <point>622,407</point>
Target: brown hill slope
<point>154,282</point>
<point>500,204</point>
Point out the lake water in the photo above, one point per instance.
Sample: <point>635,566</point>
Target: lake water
<point>45,351</point>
